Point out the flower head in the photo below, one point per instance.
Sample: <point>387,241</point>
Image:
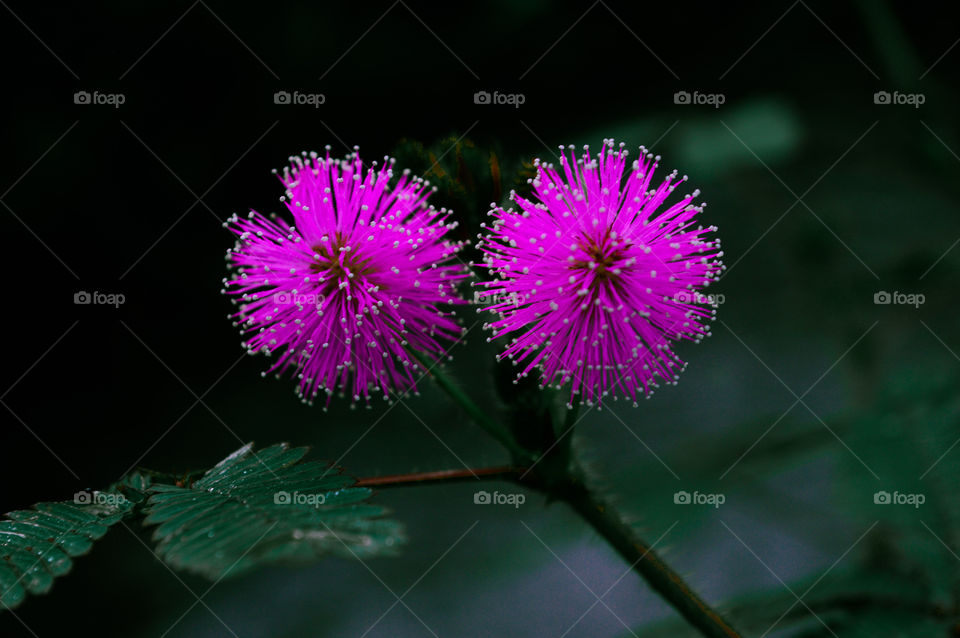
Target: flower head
<point>597,275</point>
<point>346,293</point>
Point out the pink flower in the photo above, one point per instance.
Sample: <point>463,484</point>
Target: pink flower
<point>595,280</point>
<point>345,294</point>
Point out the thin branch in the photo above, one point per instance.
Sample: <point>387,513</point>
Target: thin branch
<point>506,472</point>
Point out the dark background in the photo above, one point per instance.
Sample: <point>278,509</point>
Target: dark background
<point>130,200</point>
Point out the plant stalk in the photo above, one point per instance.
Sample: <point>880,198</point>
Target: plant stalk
<point>481,418</point>
<point>645,561</point>
<point>567,484</point>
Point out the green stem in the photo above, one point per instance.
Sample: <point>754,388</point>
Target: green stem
<point>645,561</point>
<point>481,418</point>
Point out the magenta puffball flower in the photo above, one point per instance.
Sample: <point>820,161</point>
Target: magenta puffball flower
<point>345,294</point>
<point>597,275</point>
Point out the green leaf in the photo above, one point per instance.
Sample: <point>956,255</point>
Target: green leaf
<point>262,507</point>
<point>38,545</point>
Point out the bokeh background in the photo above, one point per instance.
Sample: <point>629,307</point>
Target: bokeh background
<point>809,398</point>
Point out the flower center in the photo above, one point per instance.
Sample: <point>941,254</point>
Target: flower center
<point>339,262</point>
<point>602,256</point>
